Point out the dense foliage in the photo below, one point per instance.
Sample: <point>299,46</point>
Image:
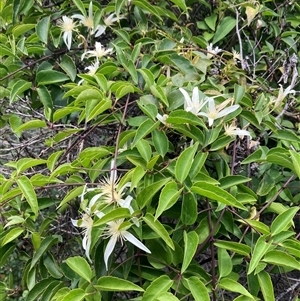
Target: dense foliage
<point>150,150</point>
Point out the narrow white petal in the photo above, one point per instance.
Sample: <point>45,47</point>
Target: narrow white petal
<point>227,111</point>
<point>78,16</point>
<point>86,242</point>
<point>187,100</point>
<point>91,10</point>
<point>100,29</point>
<point>94,199</point>
<point>109,248</point>
<point>210,121</point>
<point>239,132</point>
<point>135,241</point>
<point>75,222</point>
<point>195,97</point>
<point>126,203</point>
<point>211,105</point>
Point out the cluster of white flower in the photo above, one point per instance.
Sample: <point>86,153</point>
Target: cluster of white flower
<point>110,194</point>
<point>68,26</point>
<point>210,110</point>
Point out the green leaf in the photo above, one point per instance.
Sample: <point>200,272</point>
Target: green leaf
<point>112,215</point>
<point>266,285</point>
<point>197,288</point>
<point>211,21</point>
<point>144,129</point>
<point>46,100</point>
<point>71,195</point>
<point>184,162</point>
<point>99,108</point>
<point>214,192</point>
<point>67,64</point>
<point>18,88</point>
<point>236,247</point>
<point>42,29</point>
<point>145,196</point>
<point>31,124</point>
<point>167,297</point>
<point>27,163</point>
<point>224,28</point>
<point>21,29</point>
<point>80,266</point>
<point>189,210</point>
<point>144,149</point>
<point>182,117</point>
<point>258,226</point>
<point>29,193</point>
<point>45,245</point>
<point>230,181</point>
<point>147,76</point>
<point>158,92</point>
<point>296,161</point>
<point>11,235</point>
<point>283,221</point>
<point>48,77</point>
<point>158,228</point>
<point>160,141</point>
<point>76,294</point>
<point>80,6</point>
<point>52,159</point>
<point>191,240</point>
<point>181,4</point>
<point>157,287</point>
<point>168,197</point>
<point>286,135</point>
<point>184,65</point>
<point>115,284</point>
<point>144,4</point>
<point>224,263</point>
<point>280,156</point>
<point>281,258</point>
<point>260,249</point>
<point>233,286</point>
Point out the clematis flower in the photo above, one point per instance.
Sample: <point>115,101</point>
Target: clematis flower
<point>193,105</point>
<point>92,70</point>
<point>212,51</point>
<point>111,193</point>
<point>282,95</point>
<point>67,25</point>
<point>99,52</point>
<point>116,231</point>
<point>86,222</point>
<point>87,21</point>
<point>108,21</point>
<point>232,130</point>
<point>214,112</point>
<point>162,118</point>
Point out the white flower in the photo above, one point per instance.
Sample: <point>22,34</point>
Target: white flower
<point>99,51</point>
<point>108,21</point>
<point>67,26</point>
<point>162,118</point>
<point>232,130</point>
<point>193,105</point>
<point>212,51</point>
<point>92,70</point>
<point>86,222</point>
<point>282,95</point>
<point>111,193</point>
<point>116,233</point>
<point>87,21</point>
<point>214,112</point>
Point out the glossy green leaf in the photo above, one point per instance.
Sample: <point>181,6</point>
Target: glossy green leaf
<point>266,285</point>
<point>148,7</point>
<point>80,266</point>
<point>168,197</point>
<point>231,181</point>
<point>72,194</point>
<point>22,29</point>
<point>29,193</point>
<point>184,163</point>
<point>158,286</point>
<point>280,258</point>
<point>158,92</point>
<point>53,159</point>
<point>160,141</point>
<point>283,221</point>
<point>115,284</point>
<point>144,149</point>
<point>68,65</point>
<point>215,193</point>
<point>158,228</point>
<point>48,77</point>
<point>260,249</point>
<point>191,241</point>
<point>18,88</point>
<point>52,267</point>
<point>146,195</point>
<point>112,215</point>
<point>197,288</point>
<point>189,212</point>
<point>27,163</point>
<point>233,286</point>
<point>144,129</point>
<point>80,6</point>
<point>235,247</point>
<point>46,100</point>
<point>42,29</point>
<point>181,4</point>
<point>286,135</point>
<point>224,263</point>
<point>224,28</point>
<point>147,76</point>
<point>11,235</point>
<point>76,294</point>
<point>296,161</point>
<point>39,288</point>
<point>182,117</point>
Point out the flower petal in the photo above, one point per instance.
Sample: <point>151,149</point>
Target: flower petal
<point>187,100</point>
<point>128,236</point>
<point>227,111</point>
<point>109,248</point>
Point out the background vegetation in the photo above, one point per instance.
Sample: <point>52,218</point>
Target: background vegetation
<point>149,150</point>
